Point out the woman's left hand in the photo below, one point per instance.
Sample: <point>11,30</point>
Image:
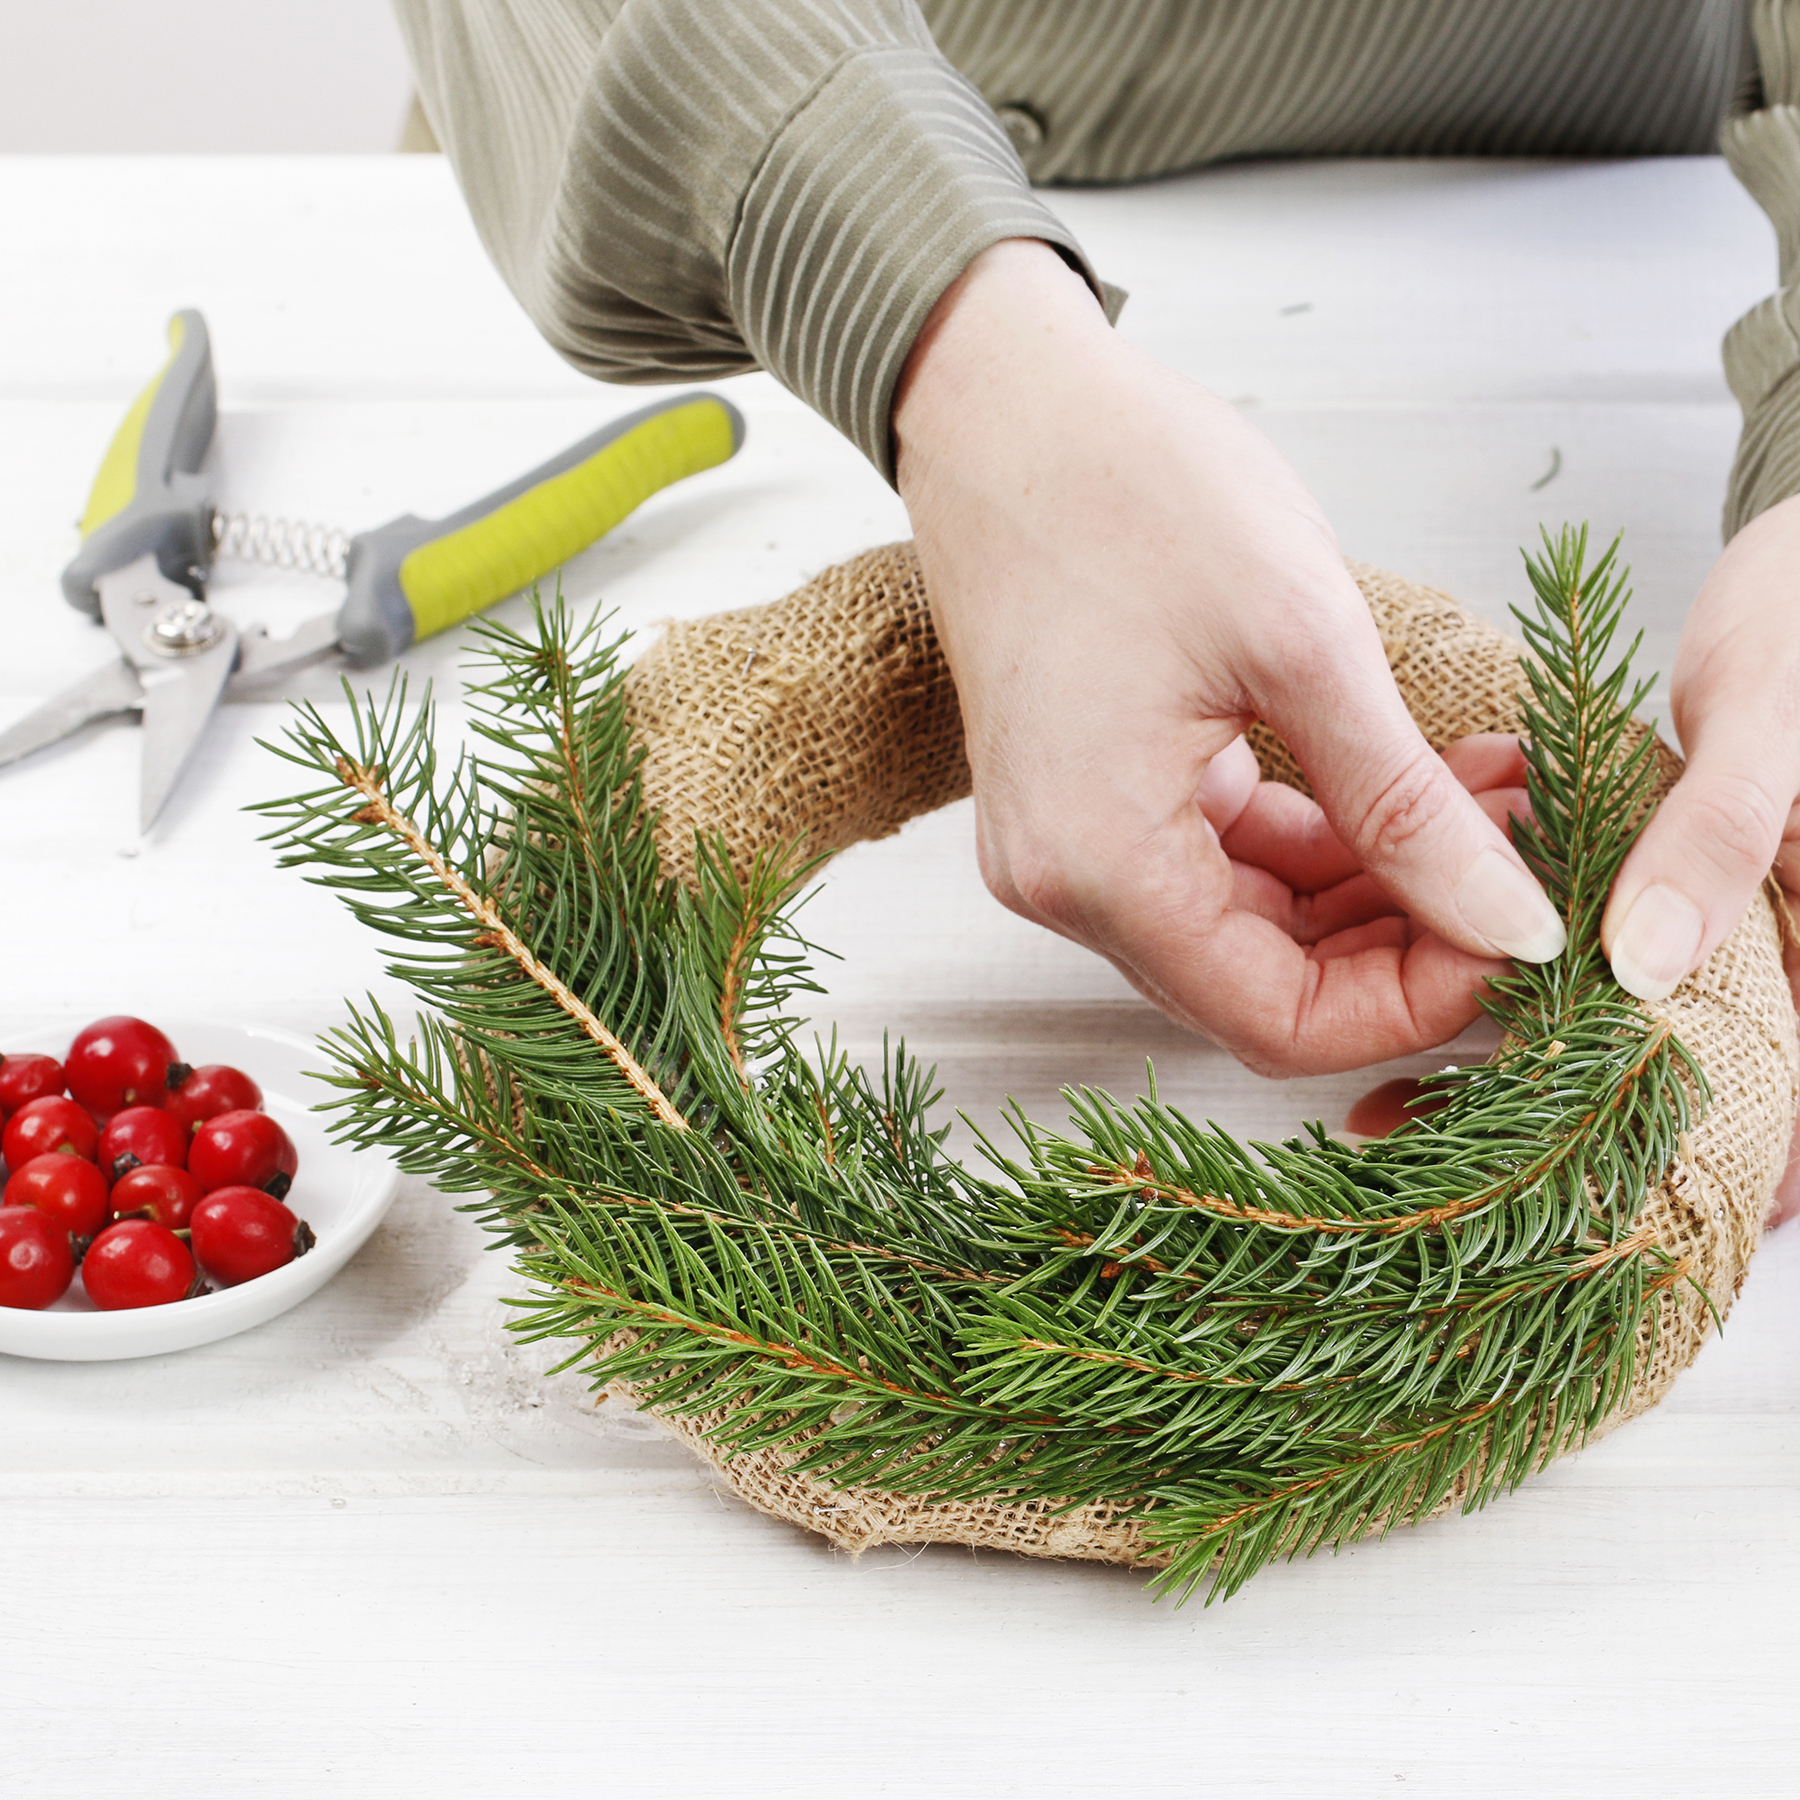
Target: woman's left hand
<point>1732,817</point>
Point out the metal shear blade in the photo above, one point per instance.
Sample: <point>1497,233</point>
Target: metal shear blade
<point>113,689</point>
<point>176,655</point>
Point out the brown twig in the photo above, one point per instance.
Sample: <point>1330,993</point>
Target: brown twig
<point>1400,1448</point>
<point>497,934</point>
<point>730,989</point>
<point>1639,1240</point>
<point>786,1354</point>
<point>1142,1176</point>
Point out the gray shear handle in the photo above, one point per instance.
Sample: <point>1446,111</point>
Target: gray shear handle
<point>148,495</point>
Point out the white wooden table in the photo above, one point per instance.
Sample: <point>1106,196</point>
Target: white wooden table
<point>368,1549</point>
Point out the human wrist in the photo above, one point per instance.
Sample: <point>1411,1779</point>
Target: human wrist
<point>1015,311</point>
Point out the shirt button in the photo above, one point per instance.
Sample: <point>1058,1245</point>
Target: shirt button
<point>1023,124</point>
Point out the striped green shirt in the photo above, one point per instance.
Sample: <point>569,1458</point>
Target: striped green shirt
<point>682,189</point>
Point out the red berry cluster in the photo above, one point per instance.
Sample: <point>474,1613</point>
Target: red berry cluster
<point>140,1170</point>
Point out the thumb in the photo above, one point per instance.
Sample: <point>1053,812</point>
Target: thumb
<point>1416,829</point>
<point>1700,860</point>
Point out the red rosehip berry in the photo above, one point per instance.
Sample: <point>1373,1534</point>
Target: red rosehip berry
<point>24,1078</point>
<point>49,1124</point>
<point>209,1090</point>
<point>243,1149</point>
<point>139,1135</point>
<point>63,1188</point>
<point>120,1062</point>
<point>137,1263</point>
<point>37,1261</point>
<point>241,1232</point>
<point>156,1191</point>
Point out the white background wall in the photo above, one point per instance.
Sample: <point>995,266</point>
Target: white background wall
<point>200,75</point>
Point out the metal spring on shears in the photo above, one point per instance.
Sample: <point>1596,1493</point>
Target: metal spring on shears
<point>282,543</point>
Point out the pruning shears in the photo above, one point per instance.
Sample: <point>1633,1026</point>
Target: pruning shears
<point>151,532</point>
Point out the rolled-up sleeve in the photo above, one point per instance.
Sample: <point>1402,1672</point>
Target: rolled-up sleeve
<point>678,189</point>
<point>1761,140</point>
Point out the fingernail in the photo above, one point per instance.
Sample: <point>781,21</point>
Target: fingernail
<point>1504,905</point>
<point>1658,942</point>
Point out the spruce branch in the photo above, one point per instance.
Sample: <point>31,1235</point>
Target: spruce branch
<point>1259,1349</point>
<point>495,933</point>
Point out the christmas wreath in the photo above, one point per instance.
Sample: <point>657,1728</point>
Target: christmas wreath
<point>1133,1337</point>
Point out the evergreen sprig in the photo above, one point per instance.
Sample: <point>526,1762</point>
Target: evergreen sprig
<point>1257,1348</point>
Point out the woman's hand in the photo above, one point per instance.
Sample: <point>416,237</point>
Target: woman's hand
<point>1733,815</point>
<point>1124,575</point>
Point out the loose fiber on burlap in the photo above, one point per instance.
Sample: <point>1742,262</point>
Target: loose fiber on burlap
<point>831,713</point>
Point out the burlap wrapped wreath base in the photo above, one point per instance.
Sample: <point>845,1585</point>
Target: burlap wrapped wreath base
<point>832,713</point>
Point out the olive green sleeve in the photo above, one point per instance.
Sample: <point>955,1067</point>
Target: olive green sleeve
<point>1761,140</point>
<point>678,189</point>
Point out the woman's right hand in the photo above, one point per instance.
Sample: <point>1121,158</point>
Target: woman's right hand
<point>1125,574</point>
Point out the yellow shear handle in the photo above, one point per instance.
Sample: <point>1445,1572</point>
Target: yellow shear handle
<point>473,565</point>
<point>115,486</point>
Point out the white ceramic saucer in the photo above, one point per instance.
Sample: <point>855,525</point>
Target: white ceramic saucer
<point>340,1193</point>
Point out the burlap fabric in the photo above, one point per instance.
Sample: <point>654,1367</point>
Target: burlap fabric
<point>831,713</point>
